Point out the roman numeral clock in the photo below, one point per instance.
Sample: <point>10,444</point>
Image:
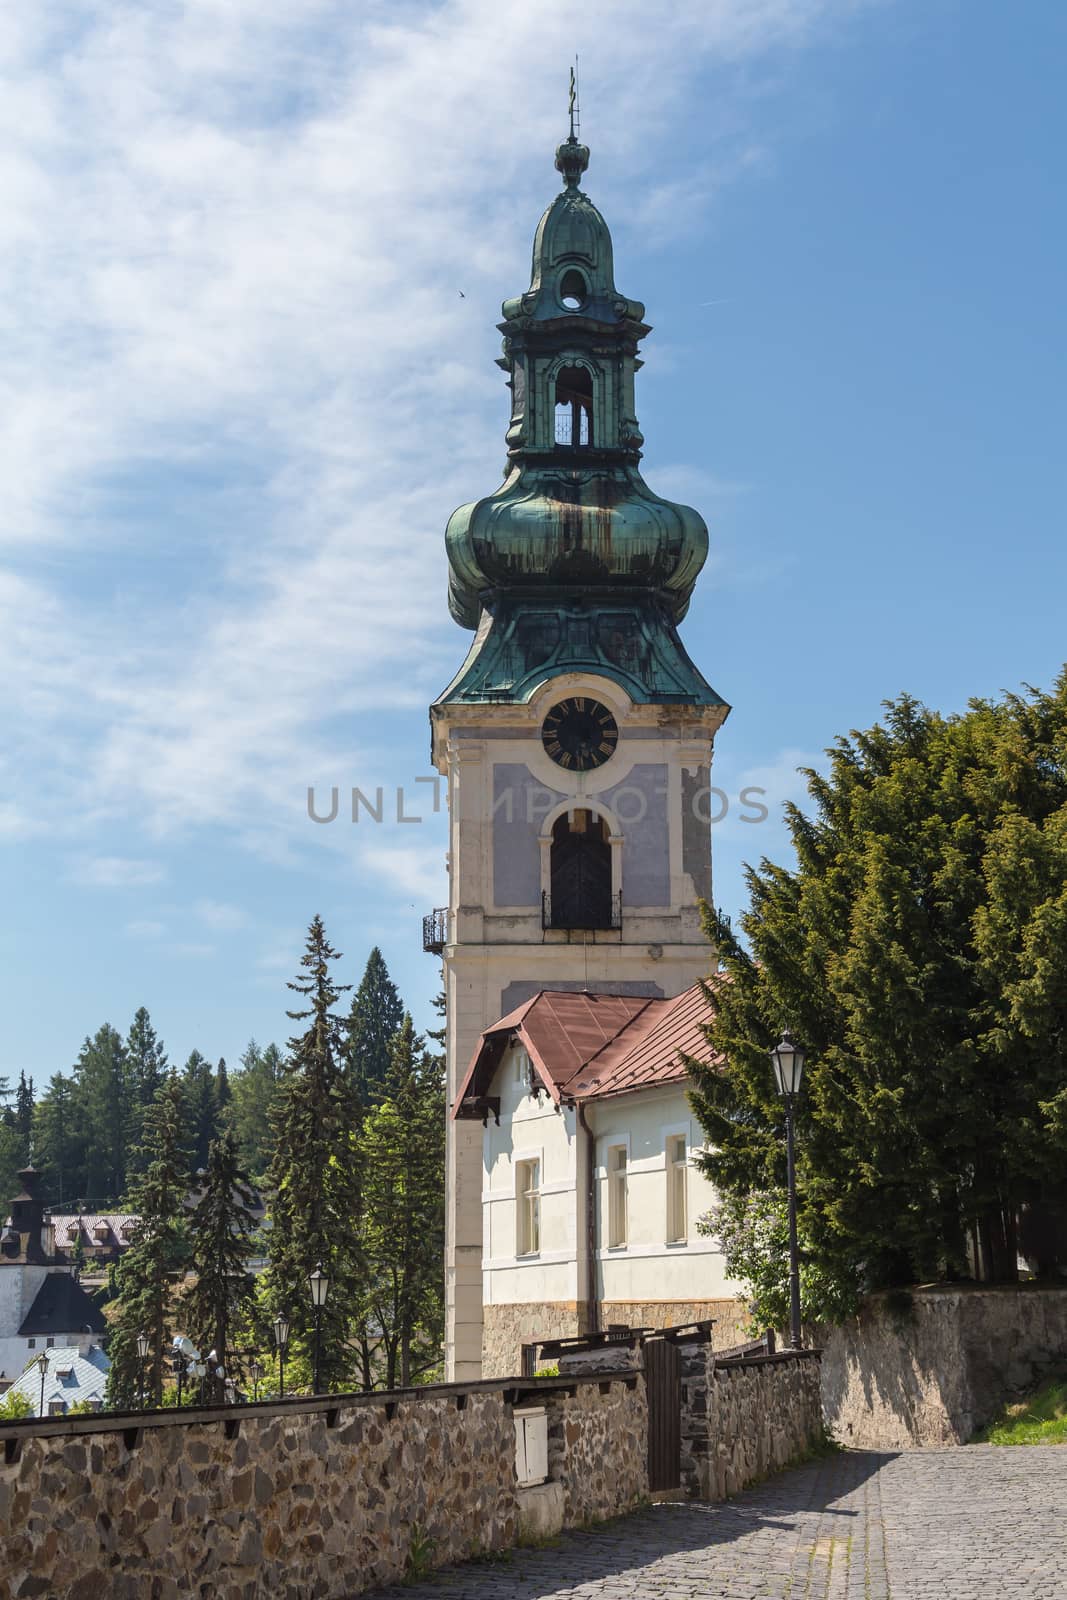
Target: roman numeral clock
<point>579,734</point>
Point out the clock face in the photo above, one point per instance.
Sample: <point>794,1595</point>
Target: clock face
<point>580,734</point>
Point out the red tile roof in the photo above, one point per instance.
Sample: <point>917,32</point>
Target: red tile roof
<point>587,1046</point>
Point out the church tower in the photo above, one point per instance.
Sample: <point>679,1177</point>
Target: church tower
<point>577,736</point>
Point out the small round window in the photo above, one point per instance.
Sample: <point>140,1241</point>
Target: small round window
<point>572,290</point>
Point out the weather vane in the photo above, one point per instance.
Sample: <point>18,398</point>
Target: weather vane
<point>572,102</point>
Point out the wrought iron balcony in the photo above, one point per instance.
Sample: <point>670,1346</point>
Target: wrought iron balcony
<point>601,913</point>
<point>435,931</point>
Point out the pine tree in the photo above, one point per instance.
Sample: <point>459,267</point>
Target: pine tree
<point>220,1244</point>
<point>403,1156</point>
<point>222,1087</point>
<point>147,1066</point>
<point>376,1014</point>
<point>201,1094</point>
<point>916,951</point>
<point>103,1109</point>
<point>57,1140</point>
<point>252,1093</point>
<point>313,1176</point>
<point>147,1275</point>
<point>24,1113</point>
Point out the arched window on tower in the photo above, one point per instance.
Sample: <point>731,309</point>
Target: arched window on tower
<point>574,406</point>
<point>580,893</point>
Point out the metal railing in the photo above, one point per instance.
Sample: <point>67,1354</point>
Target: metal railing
<point>609,919</point>
<point>435,931</point>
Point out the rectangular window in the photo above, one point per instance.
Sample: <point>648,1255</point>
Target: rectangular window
<point>616,1196</point>
<point>677,1168</point>
<point>49,1343</point>
<point>31,1344</point>
<point>528,1207</point>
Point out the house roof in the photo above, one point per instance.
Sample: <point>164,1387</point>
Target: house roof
<point>70,1377</point>
<point>62,1306</point>
<point>117,1226</point>
<point>588,1046</point>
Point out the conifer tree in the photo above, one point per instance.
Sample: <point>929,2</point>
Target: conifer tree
<point>57,1139</point>
<point>376,1014</point>
<point>916,952</point>
<point>313,1176</point>
<point>201,1096</point>
<point>403,1158</point>
<point>103,1111</point>
<point>24,1113</point>
<point>252,1092</point>
<point>147,1065</point>
<point>220,1243</point>
<point>148,1275</point>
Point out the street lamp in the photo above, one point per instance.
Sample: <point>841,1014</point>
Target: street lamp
<point>255,1372</point>
<point>319,1284</point>
<point>42,1362</point>
<point>788,1060</point>
<point>144,1347</point>
<point>281,1339</point>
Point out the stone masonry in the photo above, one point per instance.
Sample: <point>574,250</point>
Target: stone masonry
<point>930,1368</point>
<point>298,1498</point>
<point>743,1419</point>
<point>507,1328</point>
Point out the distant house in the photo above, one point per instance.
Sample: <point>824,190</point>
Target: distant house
<point>103,1237</point>
<point>72,1376</point>
<point>42,1305</point>
<point>590,1191</point>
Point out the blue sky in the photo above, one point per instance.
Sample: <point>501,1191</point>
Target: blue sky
<point>240,394</point>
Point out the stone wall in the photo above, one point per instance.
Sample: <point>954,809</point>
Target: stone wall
<point>742,1419</point>
<point>507,1328</point>
<point>598,1449</point>
<point>930,1368</point>
<point>295,1498</point>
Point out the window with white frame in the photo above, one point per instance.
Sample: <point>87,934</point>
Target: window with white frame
<point>617,1174</point>
<point>677,1168</point>
<point>522,1067</point>
<point>528,1207</point>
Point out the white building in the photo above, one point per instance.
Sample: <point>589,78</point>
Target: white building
<point>42,1304</point>
<point>590,1187</point>
<point>73,1375</point>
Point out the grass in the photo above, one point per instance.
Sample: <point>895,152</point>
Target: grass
<point>1039,1419</point>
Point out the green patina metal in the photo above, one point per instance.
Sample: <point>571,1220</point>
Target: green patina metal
<point>574,563</point>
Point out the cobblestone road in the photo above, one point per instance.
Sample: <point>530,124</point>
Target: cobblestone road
<point>967,1524</point>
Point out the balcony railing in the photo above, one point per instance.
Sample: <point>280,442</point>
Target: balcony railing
<point>435,931</point>
<point>607,916</point>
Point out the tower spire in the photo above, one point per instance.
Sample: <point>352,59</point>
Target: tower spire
<point>572,103</point>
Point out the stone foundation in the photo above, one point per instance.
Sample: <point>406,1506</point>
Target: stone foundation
<point>506,1328</point>
<point>744,1419</point>
<point>297,1498</point>
<point>930,1368</point>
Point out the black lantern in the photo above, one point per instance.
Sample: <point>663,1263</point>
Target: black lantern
<point>787,1059</point>
<point>319,1284</point>
<point>281,1339</point>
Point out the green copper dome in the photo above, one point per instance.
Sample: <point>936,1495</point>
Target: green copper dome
<point>574,521</point>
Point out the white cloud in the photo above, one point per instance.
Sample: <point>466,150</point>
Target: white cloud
<point>415,870</point>
<point>116,872</point>
<point>232,239</point>
<point>145,928</point>
<point>217,914</point>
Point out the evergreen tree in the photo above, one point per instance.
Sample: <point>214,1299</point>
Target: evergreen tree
<point>376,1014</point>
<point>147,1275</point>
<point>24,1113</point>
<point>147,1065</point>
<point>916,952</point>
<point>222,1087</point>
<point>252,1093</point>
<point>57,1140</point>
<point>220,1244</point>
<point>403,1161</point>
<point>12,1158</point>
<point>103,1109</point>
<point>201,1096</point>
<point>313,1176</point>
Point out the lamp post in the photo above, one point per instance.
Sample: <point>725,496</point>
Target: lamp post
<point>319,1284</point>
<point>788,1060</point>
<point>281,1339</point>
<point>144,1346</point>
<point>42,1362</point>
<point>255,1372</point>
